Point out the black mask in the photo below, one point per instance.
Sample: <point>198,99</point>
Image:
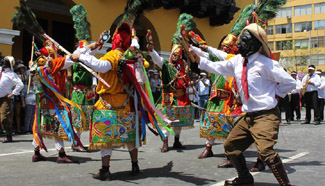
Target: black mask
<point>248,44</point>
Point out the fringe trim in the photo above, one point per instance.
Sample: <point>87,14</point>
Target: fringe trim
<point>54,136</point>
<point>98,146</point>
<point>81,130</point>
<point>184,127</point>
<point>219,138</point>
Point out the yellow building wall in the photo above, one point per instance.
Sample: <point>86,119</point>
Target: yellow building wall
<point>102,14</point>
<point>6,11</point>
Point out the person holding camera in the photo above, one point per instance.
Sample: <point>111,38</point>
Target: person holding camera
<point>203,91</point>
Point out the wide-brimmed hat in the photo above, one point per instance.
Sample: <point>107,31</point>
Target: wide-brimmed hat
<point>260,34</point>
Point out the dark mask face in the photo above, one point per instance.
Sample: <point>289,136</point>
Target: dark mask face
<point>248,44</point>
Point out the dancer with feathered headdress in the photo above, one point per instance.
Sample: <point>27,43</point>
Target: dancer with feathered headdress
<point>175,103</point>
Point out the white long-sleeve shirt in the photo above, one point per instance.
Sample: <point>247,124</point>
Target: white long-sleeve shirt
<point>314,79</point>
<point>86,56</point>
<point>298,87</point>
<point>221,55</point>
<point>156,58</point>
<point>321,88</point>
<point>265,77</point>
<point>7,81</point>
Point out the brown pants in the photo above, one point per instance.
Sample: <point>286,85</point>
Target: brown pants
<point>5,114</point>
<point>261,128</point>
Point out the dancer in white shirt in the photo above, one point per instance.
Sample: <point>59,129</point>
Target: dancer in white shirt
<point>321,95</point>
<point>259,80</point>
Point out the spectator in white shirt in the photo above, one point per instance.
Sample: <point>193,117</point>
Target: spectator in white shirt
<point>295,98</point>
<point>312,81</point>
<point>258,86</point>
<point>321,95</point>
<point>8,79</point>
<point>203,90</point>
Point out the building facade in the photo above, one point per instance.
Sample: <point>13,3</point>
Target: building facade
<point>54,17</point>
<point>298,32</point>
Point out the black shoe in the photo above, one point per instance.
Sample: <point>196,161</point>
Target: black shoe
<point>306,122</point>
<point>135,168</point>
<point>103,175</point>
<point>317,123</point>
<point>288,121</point>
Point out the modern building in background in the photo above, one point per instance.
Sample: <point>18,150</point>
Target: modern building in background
<point>298,32</point>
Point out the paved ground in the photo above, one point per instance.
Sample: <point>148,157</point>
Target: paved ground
<point>300,146</point>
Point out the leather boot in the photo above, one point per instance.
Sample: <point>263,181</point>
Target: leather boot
<point>78,148</point>
<point>63,158</point>
<point>165,145</point>
<point>259,166</point>
<point>278,170</point>
<point>177,144</point>
<point>244,176</point>
<point>38,156</point>
<point>104,174</point>
<point>206,153</point>
<point>226,164</point>
<point>135,168</point>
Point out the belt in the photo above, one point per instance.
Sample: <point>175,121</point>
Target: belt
<point>261,112</point>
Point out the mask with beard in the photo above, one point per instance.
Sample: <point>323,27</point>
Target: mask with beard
<point>248,44</point>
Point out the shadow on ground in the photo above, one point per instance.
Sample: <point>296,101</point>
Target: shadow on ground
<point>161,172</point>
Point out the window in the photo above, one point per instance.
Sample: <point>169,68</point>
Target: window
<point>317,42</point>
<point>302,10</point>
<point>271,46</point>
<point>320,25</point>
<point>318,59</point>
<point>302,60</point>
<point>319,8</point>
<point>286,62</point>
<point>284,45</point>
<point>301,43</point>
<point>303,26</point>
<point>284,12</point>
<point>282,29</point>
<point>270,30</point>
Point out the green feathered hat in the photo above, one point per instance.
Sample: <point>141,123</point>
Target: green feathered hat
<point>81,25</point>
<point>260,14</point>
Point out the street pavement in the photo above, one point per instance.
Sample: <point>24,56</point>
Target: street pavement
<point>301,147</point>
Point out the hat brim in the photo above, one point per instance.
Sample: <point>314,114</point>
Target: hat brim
<point>260,34</point>
<point>311,68</point>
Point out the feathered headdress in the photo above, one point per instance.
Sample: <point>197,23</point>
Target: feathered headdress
<point>81,25</point>
<point>122,35</point>
<point>185,24</point>
<point>260,14</point>
<point>24,18</point>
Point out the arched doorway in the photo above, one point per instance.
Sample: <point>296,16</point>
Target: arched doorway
<point>55,19</point>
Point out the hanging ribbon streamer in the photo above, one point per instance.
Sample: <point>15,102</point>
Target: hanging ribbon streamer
<point>36,126</point>
<point>137,144</point>
<point>129,70</point>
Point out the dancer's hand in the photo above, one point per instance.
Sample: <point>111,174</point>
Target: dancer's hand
<point>75,57</point>
<point>150,47</point>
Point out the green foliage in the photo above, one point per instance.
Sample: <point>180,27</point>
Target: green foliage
<point>187,21</point>
<point>81,25</point>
